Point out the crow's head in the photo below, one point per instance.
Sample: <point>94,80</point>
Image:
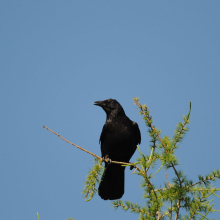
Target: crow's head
<point>111,107</point>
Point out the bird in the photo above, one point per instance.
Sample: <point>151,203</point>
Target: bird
<point>119,139</point>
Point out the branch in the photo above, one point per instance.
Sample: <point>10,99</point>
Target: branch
<point>203,180</point>
<point>140,106</point>
<point>186,122</point>
<point>152,127</point>
<point>196,207</point>
<point>178,209</point>
<point>180,133</point>
<point>167,178</point>
<point>125,207</point>
<point>117,162</point>
<point>73,144</point>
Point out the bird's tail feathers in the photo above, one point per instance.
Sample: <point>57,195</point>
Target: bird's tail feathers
<point>112,183</point>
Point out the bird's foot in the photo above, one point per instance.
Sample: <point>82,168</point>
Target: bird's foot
<point>108,161</point>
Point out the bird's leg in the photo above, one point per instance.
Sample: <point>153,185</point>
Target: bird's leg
<point>108,160</point>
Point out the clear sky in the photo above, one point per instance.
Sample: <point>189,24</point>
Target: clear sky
<point>58,57</point>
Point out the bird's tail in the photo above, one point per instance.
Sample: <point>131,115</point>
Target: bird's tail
<point>112,183</point>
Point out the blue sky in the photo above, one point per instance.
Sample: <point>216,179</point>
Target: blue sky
<point>58,57</point>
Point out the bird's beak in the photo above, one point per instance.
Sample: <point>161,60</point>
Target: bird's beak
<point>99,103</point>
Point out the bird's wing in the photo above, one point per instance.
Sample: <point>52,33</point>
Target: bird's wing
<point>105,132</point>
<point>102,136</point>
<point>137,133</point>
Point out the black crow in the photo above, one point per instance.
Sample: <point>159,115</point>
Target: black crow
<point>119,139</point>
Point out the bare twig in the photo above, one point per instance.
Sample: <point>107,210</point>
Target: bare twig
<point>117,162</point>
<point>73,143</point>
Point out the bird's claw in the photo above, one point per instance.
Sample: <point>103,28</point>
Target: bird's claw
<point>108,161</point>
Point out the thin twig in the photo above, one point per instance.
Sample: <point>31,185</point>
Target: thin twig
<point>196,207</point>
<point>137,210</point>
<point>203,180</point>
<point>169,188</point>
<point>180,133</point>
<point>164,189</point>
<point>117,162</point>
<point>73,143</point>
<point>167,178</point>
<point>149,163</point>
<point>165,214</point>
<point>171,210</point>
<point>178,204</point>
<point>148,184</point>
<point>139,105</point>
<point>178,208</point>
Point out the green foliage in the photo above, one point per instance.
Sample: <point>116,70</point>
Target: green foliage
<point>92,179</point>
<point>38,216</point>
<point>178,194</point>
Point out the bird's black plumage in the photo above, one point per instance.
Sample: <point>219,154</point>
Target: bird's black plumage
<point>119,139</point>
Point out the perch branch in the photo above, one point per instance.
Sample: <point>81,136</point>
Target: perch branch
<point>117,162</point>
